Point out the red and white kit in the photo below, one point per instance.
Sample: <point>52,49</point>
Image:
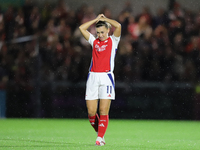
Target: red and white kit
<point>100,82</point>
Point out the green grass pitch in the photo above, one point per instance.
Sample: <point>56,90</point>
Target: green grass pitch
<point>77,134</point>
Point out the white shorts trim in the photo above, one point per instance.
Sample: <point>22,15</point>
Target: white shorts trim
<point>100,86</point>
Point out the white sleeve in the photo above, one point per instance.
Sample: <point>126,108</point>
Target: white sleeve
<point>91,39</point>
<point>117,39</point>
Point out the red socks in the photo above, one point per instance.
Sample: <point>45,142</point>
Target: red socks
<point>99,125</point>
<point>94,121</point>
<point>103,124</point>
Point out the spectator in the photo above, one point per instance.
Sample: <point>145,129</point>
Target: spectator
<point>142,28</point>
<point>34,20</point>
<point>163,48</point>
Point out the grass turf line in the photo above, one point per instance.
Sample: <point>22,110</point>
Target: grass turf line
<point>72,134</point>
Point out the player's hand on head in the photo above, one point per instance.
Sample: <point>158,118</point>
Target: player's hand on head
<point>100,17</point>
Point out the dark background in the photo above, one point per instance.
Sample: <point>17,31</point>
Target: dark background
<point>157,72</point>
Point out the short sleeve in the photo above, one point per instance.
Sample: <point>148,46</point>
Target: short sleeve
<point>91,39</point>
<point>116,39</point>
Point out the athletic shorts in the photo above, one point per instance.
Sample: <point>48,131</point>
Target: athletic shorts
<point>100,86</point>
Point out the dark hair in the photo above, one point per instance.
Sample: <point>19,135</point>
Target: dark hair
<point>103,23</point>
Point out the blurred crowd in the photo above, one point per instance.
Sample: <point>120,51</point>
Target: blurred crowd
<point>155,48</point>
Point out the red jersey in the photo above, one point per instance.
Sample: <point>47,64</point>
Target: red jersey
<point>103,53</point>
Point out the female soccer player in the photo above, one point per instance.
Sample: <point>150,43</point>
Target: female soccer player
<point>100,83</point>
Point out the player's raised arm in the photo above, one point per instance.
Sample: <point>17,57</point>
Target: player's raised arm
<point>83,28</point>
<point>114,23</point>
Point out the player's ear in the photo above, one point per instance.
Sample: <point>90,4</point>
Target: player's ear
<point>108,30</point>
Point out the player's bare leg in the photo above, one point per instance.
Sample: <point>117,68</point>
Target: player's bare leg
<point>92,107</point>
<point>104,108</point>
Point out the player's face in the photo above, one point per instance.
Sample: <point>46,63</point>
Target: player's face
<point>102,33</point>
